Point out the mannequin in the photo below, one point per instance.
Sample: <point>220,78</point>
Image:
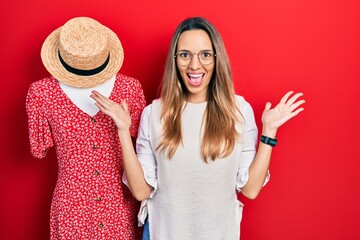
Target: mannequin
<point>80,96</point>
<point>89,201</point>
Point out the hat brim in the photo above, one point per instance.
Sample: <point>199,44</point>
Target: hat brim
<point>50,59</point>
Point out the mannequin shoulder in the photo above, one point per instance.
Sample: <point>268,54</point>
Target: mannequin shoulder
<point>45,82</point>
<point>44,85</point>
<point>127,80</point>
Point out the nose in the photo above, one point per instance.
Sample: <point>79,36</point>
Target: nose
<point>195,63</point>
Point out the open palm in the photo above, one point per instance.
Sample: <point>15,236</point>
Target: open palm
<point>286,109</point>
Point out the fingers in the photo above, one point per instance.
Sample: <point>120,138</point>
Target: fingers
<point>101,100</point>
<point>98,96</point>
<point>267,106</point>
<point>296,105</point>
<point>293,114</point>
<point>106,105</point>
<point>101,107</point>
<point>285,97</point>
<point>291,103</point>
<point>294,98</point>
<point>124,106</point>
<point>98,102</point>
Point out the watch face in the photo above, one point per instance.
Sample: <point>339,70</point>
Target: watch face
<point>269,141</point>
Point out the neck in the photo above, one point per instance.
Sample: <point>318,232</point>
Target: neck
<point>81,96</point>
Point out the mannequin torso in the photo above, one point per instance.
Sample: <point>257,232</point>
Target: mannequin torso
<point>81,96</point>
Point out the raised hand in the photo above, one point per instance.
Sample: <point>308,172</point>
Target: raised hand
<point>118,112</point>
<point>287,108</point>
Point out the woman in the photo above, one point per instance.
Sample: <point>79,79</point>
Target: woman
<point>197,143</point>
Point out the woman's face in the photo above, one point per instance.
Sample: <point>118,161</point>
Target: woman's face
<point>196,76</point>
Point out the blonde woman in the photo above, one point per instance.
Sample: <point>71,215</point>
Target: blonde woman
<point>196,146</point>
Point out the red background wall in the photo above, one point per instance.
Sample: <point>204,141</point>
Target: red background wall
<point>274,46</point>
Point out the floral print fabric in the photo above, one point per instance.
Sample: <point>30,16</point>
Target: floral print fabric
<point>89,201</point>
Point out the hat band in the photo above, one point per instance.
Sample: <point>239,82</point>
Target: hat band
<point>84,72</point>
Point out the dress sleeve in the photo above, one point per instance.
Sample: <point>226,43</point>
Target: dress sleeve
<point>248,149</point>
<point>39,129</point>
<point>138,104</point>
<point>144,151</point>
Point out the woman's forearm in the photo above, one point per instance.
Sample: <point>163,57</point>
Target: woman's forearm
<point>258,171</point>
<point>259,168</point>
<point>133,170</point>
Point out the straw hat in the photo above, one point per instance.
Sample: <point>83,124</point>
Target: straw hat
<point>83,53</point>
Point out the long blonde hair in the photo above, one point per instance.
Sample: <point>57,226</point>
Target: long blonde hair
<point>220,117</point>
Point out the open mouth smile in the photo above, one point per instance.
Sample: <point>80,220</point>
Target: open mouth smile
<point>195,79</point>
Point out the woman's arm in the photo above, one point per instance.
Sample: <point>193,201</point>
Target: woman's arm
<point>139,188</point>
<point>272,119</point>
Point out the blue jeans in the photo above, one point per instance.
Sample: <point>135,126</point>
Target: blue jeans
<point>146,233</point>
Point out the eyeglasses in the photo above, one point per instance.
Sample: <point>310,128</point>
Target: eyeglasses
<point>184,57</point>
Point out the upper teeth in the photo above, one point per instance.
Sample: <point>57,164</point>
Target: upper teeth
<point>195,75</point>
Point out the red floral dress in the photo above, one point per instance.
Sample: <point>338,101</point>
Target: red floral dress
<point>90,201</point>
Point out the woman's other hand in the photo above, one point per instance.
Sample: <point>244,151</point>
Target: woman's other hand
<point>287,108</point>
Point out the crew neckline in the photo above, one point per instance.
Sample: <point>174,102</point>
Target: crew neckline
<point>196,103</point>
